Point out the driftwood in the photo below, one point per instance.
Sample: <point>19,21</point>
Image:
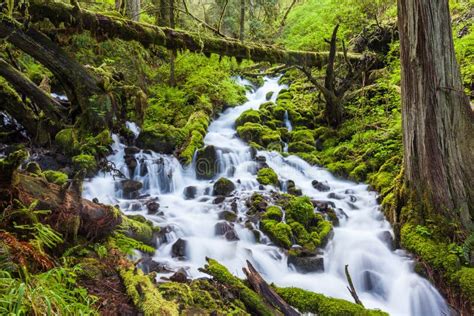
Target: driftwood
<point>264,290</point>
<point>351,287</point>
<point>108,27</point>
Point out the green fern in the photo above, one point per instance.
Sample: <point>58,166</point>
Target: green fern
<point>43,235</point>
<point>127,245</point>
<point>468,246</point>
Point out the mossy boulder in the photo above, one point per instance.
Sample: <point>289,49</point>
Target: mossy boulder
<point>274,213</point>
<point>301,210</point>
<point>260,134</point>
<point>252,116</point>
<point>206,163</point>
<point>162,138</point>
<point>67,140</point>
<point>302,135</point>
<point>267,176</point>
<point>139,228</point>
<point>56,177</point>
<point>223,186</point>
<point>280,233</point>
<point>85,162</point>
<point>34,168</point>
<point>300,147</point>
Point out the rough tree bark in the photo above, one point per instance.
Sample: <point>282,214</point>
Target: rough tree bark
<point>106,27</point>
<point>242,20</point>
<point>133,9</point>
<point>438,124</point>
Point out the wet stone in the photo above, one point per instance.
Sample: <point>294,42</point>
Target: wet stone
<point>335,196</point>
<point>386,238</point>
<point>307,264</point>
<point>131,150</point>
<point>190,192</point>
<point>180,276</point>
<point>130,188</point>
<point>228,216</point>
<point>178,250</point>
<point>218,200</point>
<point>320,186</point>
<point>152,207</point>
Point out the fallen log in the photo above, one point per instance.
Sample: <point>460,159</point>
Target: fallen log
<point>108,27</point>
<point>268,293</point>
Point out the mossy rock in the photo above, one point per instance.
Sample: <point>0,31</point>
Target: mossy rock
<point>34,168</point>
<point>55,177</point>
<point>280,233</point>
<point>300,147</point>
<point>206,163</point>
<point>254,132</point>
<point>67,141</point>
<point>267,176</point>
<point>273,213</point>
<point>161,138</point>
<point>85,162</point>
<point>302,135</point>
<point>301,210</point>
<point>223,186</point>
<point>252,116</point>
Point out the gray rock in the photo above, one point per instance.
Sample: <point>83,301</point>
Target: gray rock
<point>190,192</point>
<point>130,188</point>
<point>206,163</point>
<point>223,186</point>
<point>307,264</point>
<point>178,250</point>
<point>387,239</point>
<point>320,186</point>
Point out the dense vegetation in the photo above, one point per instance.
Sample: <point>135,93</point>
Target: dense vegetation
<point>53,262</point>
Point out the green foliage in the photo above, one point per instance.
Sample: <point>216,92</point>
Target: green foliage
<point>267,176</point>
<point>51,293</point>
<point>313,21</point>
<point>56,177</point>
<point>301,210</point>
<point>280,233</point>
<point>310,302</point>
<point>273,213</point>
<point>84,162</point>
<point>252,116</point>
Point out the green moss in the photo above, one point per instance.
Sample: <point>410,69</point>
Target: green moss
<point>280,233</point>
<point>145,295</point>
<point>55,177</point>
<point>359,173</point>
<point>252,300</point>
<point>139,228</point>
<point>301,210</point>
<point>260,134</point>
<point>465,278</point>
<point>273,213</point>
<point>267,176</point>
<point>300,147</point>
<point>162,138</point>
<point>252,116</point>
<point>84,162</point>
<point>309,302</point>
<point>67,140</point>
<point>302,135</point>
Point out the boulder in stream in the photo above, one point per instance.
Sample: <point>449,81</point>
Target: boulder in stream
<point>130,188</point>
<point>190,192</point>
<point>152,207</point>
<point>223,187</point>
<point>206,163</point>
<point>178,250</point>
<point>307,264</point>
<point>320,186</point>
<point>227,230</point>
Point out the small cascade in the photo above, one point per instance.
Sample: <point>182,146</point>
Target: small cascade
<point>189,212</point>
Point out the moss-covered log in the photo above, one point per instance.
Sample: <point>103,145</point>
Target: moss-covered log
<point>25,86</point>
<point>107,27</point>
<point>77,82</point>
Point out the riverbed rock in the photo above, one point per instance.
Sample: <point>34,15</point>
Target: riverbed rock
<point>320,186</point>
<point>269,95</point>
<point>227,230</point>
<point>206,163</point>
<point>335,196</point>
<point>149,265</point>
<point>292,188</point>
<point>178,250</point>
<point>190,192</point>
<point>130,188</point>
<point>307,264</point>
<point>387,238</point>
<point>228,216</point>
<point>131,163</point>
<point>152,207</point>
<point>219,199</point>
<point>180,276</point>
<point>131,150</point>
<point>223,187</point>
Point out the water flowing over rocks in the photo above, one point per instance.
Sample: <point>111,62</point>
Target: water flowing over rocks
<point>196,224</point>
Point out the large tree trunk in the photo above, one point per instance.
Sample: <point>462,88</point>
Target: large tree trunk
<point>242,20</point>
<point>437,120</point>
<point>108,27</point>
<point>133,9</point>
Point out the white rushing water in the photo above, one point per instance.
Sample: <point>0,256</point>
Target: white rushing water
<point>383,278</point>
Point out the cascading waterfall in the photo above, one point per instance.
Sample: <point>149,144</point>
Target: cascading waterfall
<point>383,278</point>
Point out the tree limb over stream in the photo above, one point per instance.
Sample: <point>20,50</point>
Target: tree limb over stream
<point>107,27</point>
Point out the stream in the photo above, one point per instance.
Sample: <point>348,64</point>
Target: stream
<point>384,278</point>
